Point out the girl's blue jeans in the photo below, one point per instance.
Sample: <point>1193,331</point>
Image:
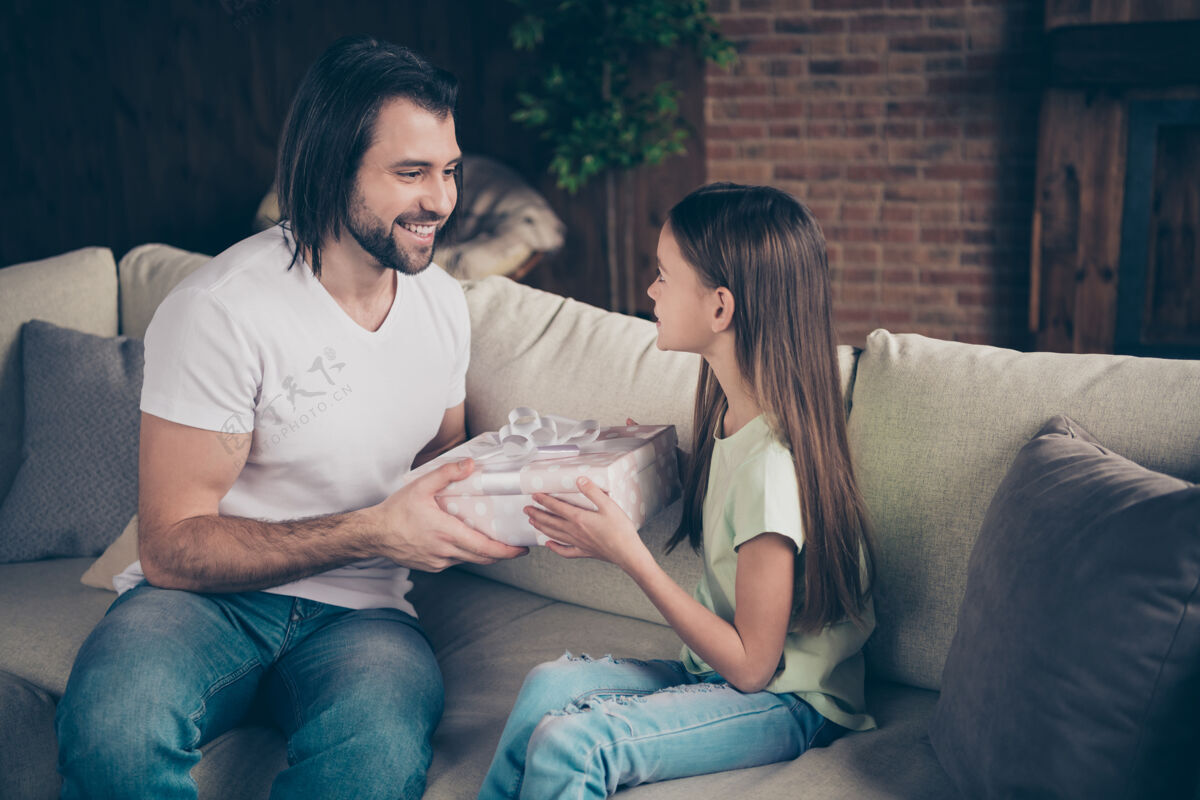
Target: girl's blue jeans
<point>582,728</point>
<point>357,694</point>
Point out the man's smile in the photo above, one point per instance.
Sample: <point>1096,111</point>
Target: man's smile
<point>422,232</point>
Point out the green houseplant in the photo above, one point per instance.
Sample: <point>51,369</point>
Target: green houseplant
<point>591,102</point>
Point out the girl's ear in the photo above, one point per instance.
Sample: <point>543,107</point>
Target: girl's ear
<point>722,309</point>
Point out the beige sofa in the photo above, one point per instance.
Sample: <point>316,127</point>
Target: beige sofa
<point>933,427</point>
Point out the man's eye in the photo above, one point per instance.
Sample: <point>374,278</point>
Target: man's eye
<point>450,173</point>
<point>409,175</point>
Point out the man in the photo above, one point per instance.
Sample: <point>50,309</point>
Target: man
<point>289,385</point>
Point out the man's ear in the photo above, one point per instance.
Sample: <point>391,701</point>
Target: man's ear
<point>722,309</point>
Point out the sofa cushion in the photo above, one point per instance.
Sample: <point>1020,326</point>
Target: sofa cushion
<point>533,348</point>
<point>115,558</point>
<point>934,428</point>
<point>76,290</point>
<point>45,614</point>
<point>147,274</point>
<point>77,487</point>
<point>1075,670</point>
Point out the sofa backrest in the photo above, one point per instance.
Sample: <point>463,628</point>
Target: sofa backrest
<point>147,274</point>
<point>533,348</point>
<point>74,290</point>
<point>935,426</point>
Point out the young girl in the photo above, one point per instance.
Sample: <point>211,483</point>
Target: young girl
<point>772,657</point>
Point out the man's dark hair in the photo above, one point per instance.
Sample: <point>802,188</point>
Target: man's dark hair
<point>332,123</point>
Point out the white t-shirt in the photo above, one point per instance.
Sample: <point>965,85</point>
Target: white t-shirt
<point>337,412</point>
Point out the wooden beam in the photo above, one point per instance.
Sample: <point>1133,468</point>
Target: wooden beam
<point>1133,55</point>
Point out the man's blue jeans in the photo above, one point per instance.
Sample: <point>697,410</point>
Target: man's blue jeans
<point>582,728</point>
<point>357,694</point>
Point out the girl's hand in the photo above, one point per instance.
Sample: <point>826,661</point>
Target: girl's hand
<point>607,533</point>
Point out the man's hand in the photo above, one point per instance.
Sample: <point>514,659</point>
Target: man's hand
<point>414,531</point>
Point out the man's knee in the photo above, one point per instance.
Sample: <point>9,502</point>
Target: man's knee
<point>117,702</point>
<point>397,708</point>
<point>381,720</point>
<point>405,695</point>
<point>382,749</point>
<point>111,745</point>
<point>134,707</point>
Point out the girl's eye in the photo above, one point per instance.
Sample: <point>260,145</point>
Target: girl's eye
<point>660,278</point>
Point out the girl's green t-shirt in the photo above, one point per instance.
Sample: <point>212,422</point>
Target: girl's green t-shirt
<point>752,490</point>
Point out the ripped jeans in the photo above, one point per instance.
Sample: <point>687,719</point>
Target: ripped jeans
<point>582,728</point>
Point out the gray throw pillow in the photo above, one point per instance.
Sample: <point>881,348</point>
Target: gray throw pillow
<point>1075,669</point>
<point>76,488</point>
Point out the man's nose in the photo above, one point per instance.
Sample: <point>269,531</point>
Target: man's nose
<point>441,197</point>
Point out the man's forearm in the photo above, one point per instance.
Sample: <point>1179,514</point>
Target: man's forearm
<point>214,553</point>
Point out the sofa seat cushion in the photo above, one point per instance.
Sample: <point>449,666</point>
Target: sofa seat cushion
<point>935,426</point>
<point>45,614</point>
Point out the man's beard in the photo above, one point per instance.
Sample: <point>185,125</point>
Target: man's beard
<point>374,236</point>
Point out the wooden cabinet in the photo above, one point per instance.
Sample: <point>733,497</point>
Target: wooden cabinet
<point>1116,257</point>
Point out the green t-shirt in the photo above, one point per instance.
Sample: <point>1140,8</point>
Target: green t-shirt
<point>752,490</point>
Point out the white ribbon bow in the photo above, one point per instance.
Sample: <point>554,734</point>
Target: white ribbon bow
<point>530,435</point>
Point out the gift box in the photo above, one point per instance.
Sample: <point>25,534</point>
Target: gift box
<point>635,464</point>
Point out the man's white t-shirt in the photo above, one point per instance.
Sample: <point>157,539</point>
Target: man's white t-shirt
<point>337,412</point>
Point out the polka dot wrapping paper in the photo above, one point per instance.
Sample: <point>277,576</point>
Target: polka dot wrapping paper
<point>636,464</point>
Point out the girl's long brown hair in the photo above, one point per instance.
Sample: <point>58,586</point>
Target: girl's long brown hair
<point>767,249</point>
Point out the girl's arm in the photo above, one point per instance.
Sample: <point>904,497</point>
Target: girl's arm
<point>745,653</point>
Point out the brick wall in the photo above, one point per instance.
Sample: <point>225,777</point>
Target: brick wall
<point>910,128</point>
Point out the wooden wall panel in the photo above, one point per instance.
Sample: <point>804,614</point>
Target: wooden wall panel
<point>129,122</point>
<point>1067,13</point>
<point>134,122</point>
<point>1173,270</point>
<point>1080,191</point>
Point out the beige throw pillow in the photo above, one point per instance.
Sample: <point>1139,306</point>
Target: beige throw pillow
<point>113,561</point>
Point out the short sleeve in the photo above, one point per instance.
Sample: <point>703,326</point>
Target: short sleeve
<point>462,346</point>
<point>765,498</point>
<point>200,371</point>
